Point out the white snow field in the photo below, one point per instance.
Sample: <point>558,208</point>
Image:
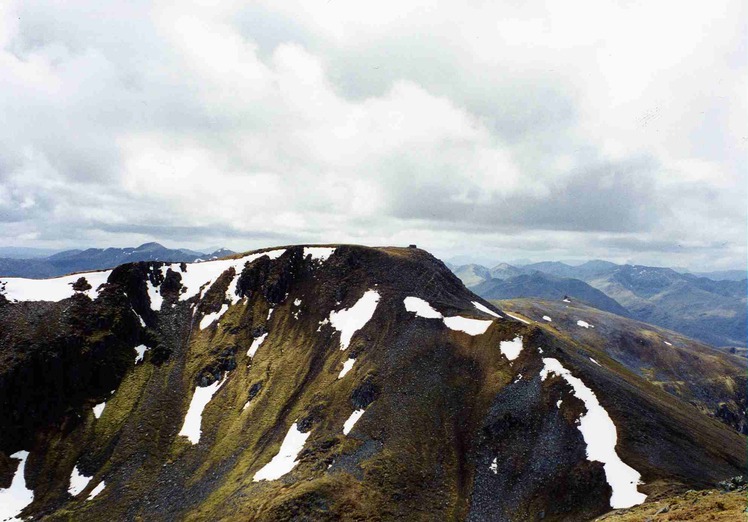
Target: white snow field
<point>196,276</point>
<point>350,320</point>
<point>285,460</point>
<point>17,496</point>
<point>319,253</point>
<point>55,289</point>
<point>200,399</point>
<point>467,325</point>
<point>583,324</point>
<point>351,421</point>
<point>511,349</point>
<point>600,435</point>
<point>546,318</point>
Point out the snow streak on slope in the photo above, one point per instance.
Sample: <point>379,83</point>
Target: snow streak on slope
<point>256,344</point>
<point>485,309</point>
<point>600,434</point>
<point>351,421</point>
<point>192,421</point>
<point>17,496</point>
<point>516,318</point>
<point>350,320</point>
<point>78,481</point>
<point>285,460</point>
<point>463,324</point>
<point>208,319</point>
<point>56,289</point>
<point>347,365</point>
<point>98,489</point>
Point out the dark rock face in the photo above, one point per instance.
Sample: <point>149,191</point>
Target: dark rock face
<point>451,429</point>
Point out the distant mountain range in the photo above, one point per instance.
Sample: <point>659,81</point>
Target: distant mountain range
<point>709,306</point>
<point>98,258</point>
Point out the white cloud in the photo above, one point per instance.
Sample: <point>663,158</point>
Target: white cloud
<point>560,130</point>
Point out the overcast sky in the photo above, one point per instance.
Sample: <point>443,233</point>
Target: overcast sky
<point>494,130</point>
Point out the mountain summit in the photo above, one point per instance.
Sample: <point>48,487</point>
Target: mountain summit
<point>331,382</point>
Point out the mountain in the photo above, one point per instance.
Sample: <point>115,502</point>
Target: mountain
<point>70,261</point>
<point>545,286</point>
<point>25,252</point>
<point>695,372</point>
<point>325,383</point>
<point>724,275</point>
<point>505,271</point>
<point>707,309</point>
<point>472,275</point>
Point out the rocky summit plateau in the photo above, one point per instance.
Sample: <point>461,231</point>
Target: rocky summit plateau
<point>340,382</point>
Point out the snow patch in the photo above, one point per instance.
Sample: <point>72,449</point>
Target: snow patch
<point>55,289</point>
<point>285,460</point>
<point>485,309</point>
<point>319,253</point>
<point>99,409</point>
<point>421,308</point>
<point>351,421</point>
<point>558,403</point>
<point>519,378</point>
<point>78,481</point>
<point>463,324</point>
<point>208,319</point>
<point>297,302</point>
<point>200,399</point>
<point>546,318</point>
<point>583,324</point>
<point>669,344</point>
<point>141,353</point>
<point>347,365</point>
<point>600,434</point>
<point>467,325</point>
<point>350,320</point>
<point>256,344</point>
<point>98,489</point>
<point>199,275</point>
<point>494,466</point>
<point>17,496</point>
<point>594,361</point>
<point>511,349</point>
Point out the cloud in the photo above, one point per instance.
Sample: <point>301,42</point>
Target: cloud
<point>493,128</point>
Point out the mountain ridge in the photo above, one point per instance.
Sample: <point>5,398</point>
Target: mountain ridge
<point>323,382</point>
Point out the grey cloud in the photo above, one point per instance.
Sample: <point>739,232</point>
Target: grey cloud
<point>607,197</point>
